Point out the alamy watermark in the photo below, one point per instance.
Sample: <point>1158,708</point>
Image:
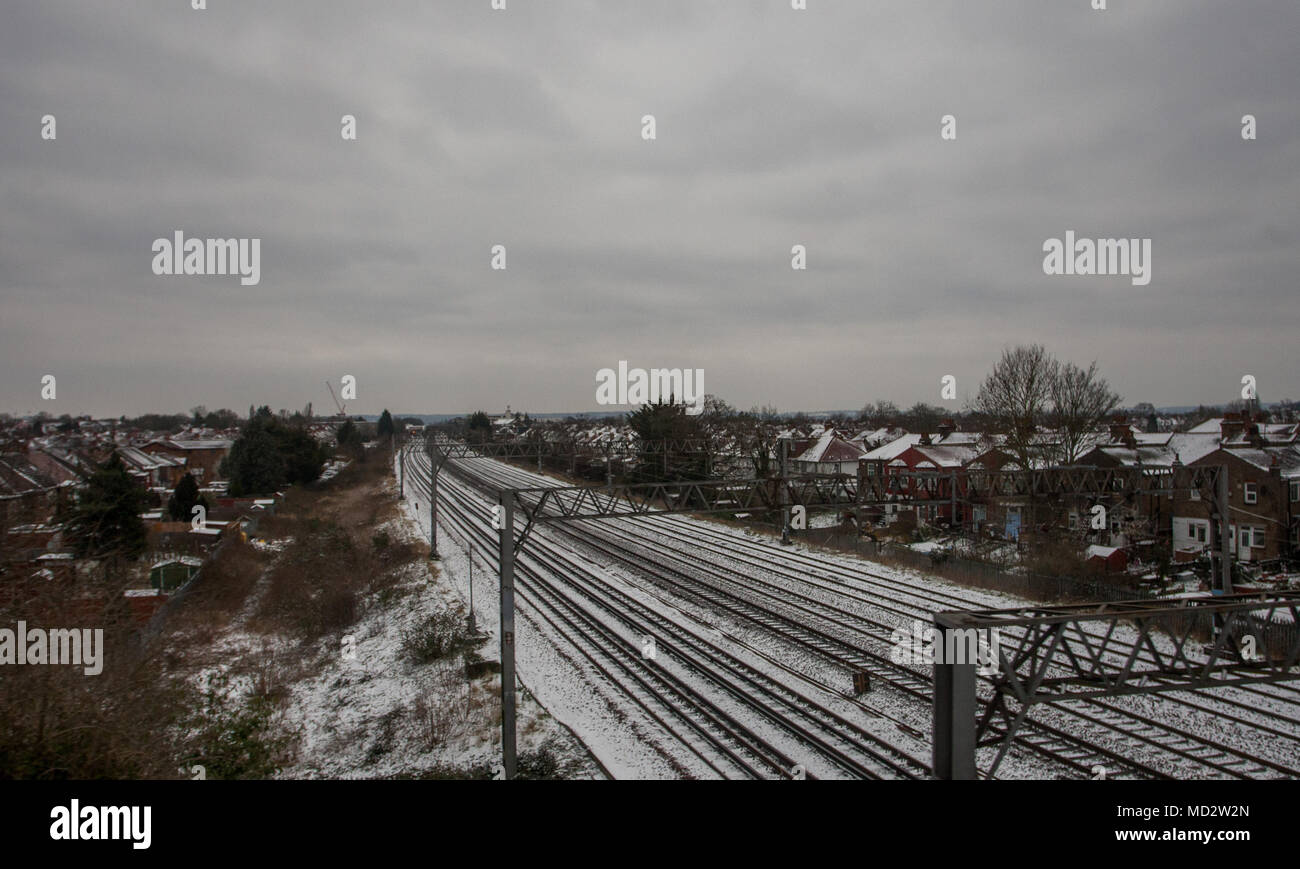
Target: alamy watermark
<point>75,821</point>
<point>918,644</point>
<point>1105,256</point>
<point>78,647</point>
<point>637,386</point>
<point>212,256</point>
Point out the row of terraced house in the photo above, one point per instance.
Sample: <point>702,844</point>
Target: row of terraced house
<point>1262,461</point>
<point>40,477</point>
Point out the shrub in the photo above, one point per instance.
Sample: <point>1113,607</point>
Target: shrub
<point>236,738</point>
<point>544,764</point>
<point>438,636</point>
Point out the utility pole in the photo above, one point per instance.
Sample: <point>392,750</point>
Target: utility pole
<point>435,467</point>
<point>1225,530</point>
<point>952,501</point>
<point>953,735</point>
<point>784,494</point>
<point>473,628</point>
<point>507,560</point>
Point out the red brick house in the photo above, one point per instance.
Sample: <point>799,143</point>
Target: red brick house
<point>1263,504</point>
<point>202,457</point>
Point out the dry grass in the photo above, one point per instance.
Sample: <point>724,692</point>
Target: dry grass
<point>222,590</point>
<point>57,722</point>
<point>137,719</point>
<point>320,583</point>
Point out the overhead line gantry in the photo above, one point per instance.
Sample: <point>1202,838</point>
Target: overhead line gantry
<point>954,684</point>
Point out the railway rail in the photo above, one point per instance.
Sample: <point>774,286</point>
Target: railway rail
<point>841,615</point>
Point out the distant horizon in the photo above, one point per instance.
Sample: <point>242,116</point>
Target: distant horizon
<point>442,417</point>
<point>814,413</point>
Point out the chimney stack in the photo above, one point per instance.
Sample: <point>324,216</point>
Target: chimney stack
<point>1231,425</point>
<point>1120,431</point>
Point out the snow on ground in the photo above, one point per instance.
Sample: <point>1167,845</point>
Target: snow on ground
<point>358,705</point>
<point>368,711</point>
<point>626,741</point>
<point>927,546</point>
<point>549,674</point>
<point>920,595</point>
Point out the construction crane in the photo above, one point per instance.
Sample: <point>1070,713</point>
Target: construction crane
<point>342,407</point>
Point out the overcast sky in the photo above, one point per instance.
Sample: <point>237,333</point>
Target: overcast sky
<point>523,128</point>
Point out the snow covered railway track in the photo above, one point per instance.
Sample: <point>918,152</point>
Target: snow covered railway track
<point>757,756</point>
<point>1183,743</point>
<point>704,736</point>
<point>1279,702</point>
<point>1183,752</point>
<point>1041,739</point>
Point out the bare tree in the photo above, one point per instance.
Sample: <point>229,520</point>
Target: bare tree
<point>1080,400</point>
<point>881,413</point>
<point>923,418</point>
<point>1016,396</point>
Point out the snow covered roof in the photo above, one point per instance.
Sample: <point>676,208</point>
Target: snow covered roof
<point>948,456</point>
<point>142,461</point>
<point>194,444</point>
<point>1162,450</point>
<point>18,476</point>
<point>1274,432</point>
<point>894,448</point>
<point>1210,426</point>
<point>870,439</point>
<point>831,448</point>
<point>1287,459</point>
<point>898,446</point>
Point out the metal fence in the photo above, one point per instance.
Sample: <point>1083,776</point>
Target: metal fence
<point>978,574</point>
<point>1272,638</point>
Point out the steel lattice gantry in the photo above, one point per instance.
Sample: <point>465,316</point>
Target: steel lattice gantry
<point>571,503</point>
<point>712,456</point>
<point>1055,653</point>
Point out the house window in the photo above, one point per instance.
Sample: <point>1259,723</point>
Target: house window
<point>1074,521</point>
<point>1295,490</point>
<point>1252,537</point>
<point>1252,493</point>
